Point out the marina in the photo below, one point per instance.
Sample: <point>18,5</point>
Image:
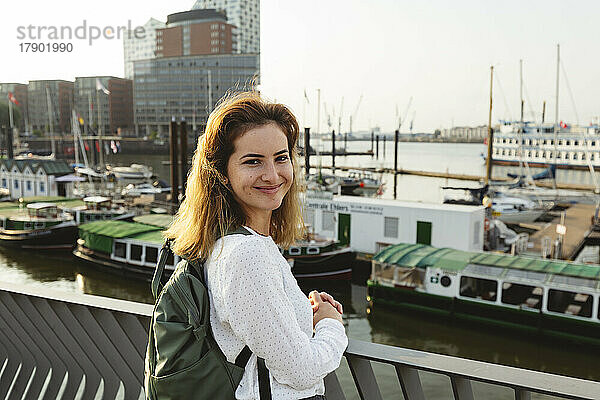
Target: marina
<point>445,161</point>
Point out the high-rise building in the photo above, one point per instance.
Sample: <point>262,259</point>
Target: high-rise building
<point>115,108</point>
<point>140,46</point>
<point>19,91</point>
<point>245,15</point>
<point>195,32</point>
<point>60,96</point>
<point>186,88</point>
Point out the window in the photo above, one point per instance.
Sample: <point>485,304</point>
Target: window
<point>390,227</point>
<point>27,225</point>
<point>16,184</point>
<point>120,249</point>
<point>151,254</point>
<point>312,250</point>
<point>328,221</point>
<point>522,295</point>
<point>294,251</point>
<point>135,252</point>
<point>309,217</point>
<point>28,185</point>
<point>477,288</point>
<point>42,187</point>
<point>3,182</point>
<point>572,303</point>
<point>424,232</point>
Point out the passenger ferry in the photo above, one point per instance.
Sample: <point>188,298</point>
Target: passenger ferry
<point>576,145</point>
<point>548,297</point>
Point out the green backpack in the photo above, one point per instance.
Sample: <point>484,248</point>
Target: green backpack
<point>183,360</point>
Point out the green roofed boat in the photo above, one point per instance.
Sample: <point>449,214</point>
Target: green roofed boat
<point>130,247</point>
<point>552,298</point>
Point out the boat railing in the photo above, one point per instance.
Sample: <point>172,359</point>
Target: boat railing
<point>69,345</point>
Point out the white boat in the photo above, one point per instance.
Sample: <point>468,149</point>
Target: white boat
<point>133,172</point>
<point>513,210</point>
<point>531,143</point>
<point>545,195</point>
<point>144,188</point>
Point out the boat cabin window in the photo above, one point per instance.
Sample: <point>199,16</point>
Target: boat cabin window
<point>572,303</point>
<point>135,252</point>
<point>120,249</point>
<point>312,250</point>
<point>478,288</point>
<point>522,295</point>
<point>294,251</point>
<point>151,254</point>
<point>39,225</point>
<point>27,225</point>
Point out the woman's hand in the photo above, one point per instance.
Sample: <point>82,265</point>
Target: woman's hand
<point>328,298</point>
<point>322,309</point>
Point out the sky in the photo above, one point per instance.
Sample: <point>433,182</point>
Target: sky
<point>423,61</point>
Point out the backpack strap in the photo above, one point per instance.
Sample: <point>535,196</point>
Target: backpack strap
<point>160,269</point>
<point>264,386</point>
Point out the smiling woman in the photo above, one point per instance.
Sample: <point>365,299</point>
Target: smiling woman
<point>241,202</point>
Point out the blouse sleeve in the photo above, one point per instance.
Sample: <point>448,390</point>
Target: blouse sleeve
<point>261,315</point>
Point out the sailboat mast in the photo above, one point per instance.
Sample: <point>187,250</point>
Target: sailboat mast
<point>520,150</point>
<point>556,126</point>
<point>488,170</point>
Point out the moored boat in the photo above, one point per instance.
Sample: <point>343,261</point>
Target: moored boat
<point>128,247</point>
<point>42,226</point>
<point>552,298</point>
<point>320,258</point>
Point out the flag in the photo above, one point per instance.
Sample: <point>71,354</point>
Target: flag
<point>306,97</point>
<point>100,86</point>
<point>12,98</point>
<point>563,125</point>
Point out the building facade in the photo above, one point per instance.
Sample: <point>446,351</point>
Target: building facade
<point>114,110</point>
<point>141,46</point>
<point>27,178</point>
<point>245,15</point>
<point>195,32</point>
<point>56,118</point>
<point>19,90</point>
<point>186,88</point>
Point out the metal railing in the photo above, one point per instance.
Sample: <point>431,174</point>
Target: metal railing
<point>66,345</point>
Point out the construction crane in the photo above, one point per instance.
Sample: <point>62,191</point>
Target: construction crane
<point>353,115</point>
<point>401,120</point>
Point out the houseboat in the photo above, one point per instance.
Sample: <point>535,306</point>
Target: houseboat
<point>42,226</point>
<point>129,247</point>
<point>552,298</point>
<point>98,208</point>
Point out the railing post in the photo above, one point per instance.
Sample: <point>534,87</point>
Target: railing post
<point>363,375</point>
<point>410,383</point>
<point>521,394</point>
<point>461,388</point>
<point>333,388</point>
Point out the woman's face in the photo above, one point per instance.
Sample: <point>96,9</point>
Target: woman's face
<point>260,170</point>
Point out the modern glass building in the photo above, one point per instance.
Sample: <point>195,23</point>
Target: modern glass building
<point>186,88</point>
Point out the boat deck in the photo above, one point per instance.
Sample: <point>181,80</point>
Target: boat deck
<point>578,221</point>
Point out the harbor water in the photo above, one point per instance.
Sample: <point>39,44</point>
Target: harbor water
<point>61,271</point>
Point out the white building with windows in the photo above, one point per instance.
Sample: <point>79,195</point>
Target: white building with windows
<point>369,225</point>
<point>245,14</point>
<point>28,178</point>
<point>141,46</point>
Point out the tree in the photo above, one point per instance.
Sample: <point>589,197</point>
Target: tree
<point>4,117</point>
